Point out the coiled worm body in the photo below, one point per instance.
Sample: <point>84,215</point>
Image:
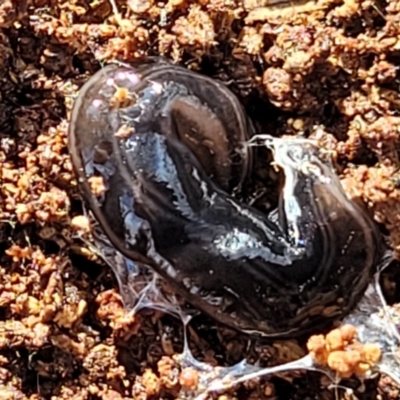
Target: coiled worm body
<point>168,145</point>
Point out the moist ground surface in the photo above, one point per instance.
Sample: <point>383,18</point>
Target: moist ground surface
<point>327,69</point>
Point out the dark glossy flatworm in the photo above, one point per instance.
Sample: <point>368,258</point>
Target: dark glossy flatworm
<point>168,145</point>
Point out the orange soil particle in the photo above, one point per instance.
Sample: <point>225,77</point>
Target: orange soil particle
<point>341,352</point>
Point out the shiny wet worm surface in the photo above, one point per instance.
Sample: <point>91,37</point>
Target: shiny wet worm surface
<point>159,152</point>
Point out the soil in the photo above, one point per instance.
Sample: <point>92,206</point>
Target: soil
<point>327,69</point>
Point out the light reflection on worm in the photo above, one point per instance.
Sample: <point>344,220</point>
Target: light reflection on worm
<point>168,144</point>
